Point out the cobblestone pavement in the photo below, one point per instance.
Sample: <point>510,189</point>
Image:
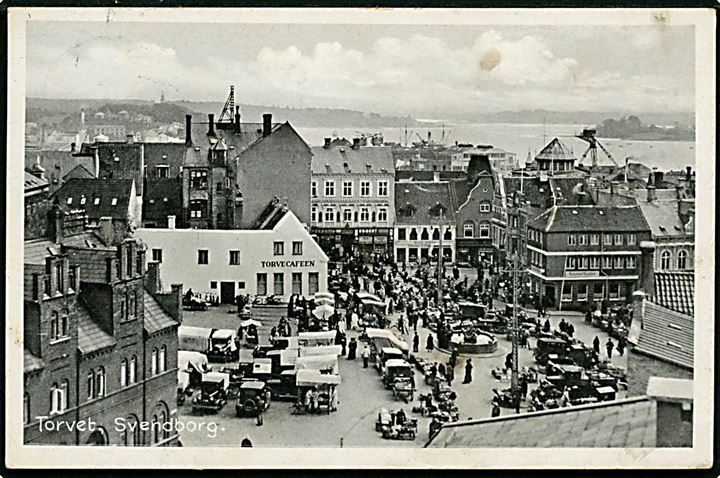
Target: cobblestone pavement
<point>361,394</point>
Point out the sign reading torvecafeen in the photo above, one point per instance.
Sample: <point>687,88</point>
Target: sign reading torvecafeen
<point>287,263</point>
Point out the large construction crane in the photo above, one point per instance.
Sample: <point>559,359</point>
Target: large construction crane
<point>589,135</point>
<point>229,108</point>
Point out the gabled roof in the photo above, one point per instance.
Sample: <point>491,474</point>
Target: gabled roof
<point>570,190</point>
<point>675,291</point>
<point>249,133</point>
<point>555,151</point>
<point>591,219</point>
<point>35,251</point>
<point>33,183</point>
<point>424,199</point>
<point>31,363</point>
<point>162,197</point>
<point>78,171</point>
<point>666,335</point>
<point>270,216</point>
<point>156,318</point>
<point>629,423</point>
<point>333,160</point>
<point>91,337</point>
<point>663,217</point>
<point>104,190</point>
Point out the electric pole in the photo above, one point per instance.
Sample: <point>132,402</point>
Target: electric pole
<point>440,263</point>
<point>514,382</point>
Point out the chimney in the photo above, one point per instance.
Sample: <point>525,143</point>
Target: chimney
<point>267,124</point>
<point>327,143</point>
<point>105,230</point>
<point>237,119</point>
<point>613,187</point>
<point>658,177</point>
<point>436,176</point>
<point>188,130</point>
<point>176,311</point>
<point>130,138</point>
<point>57,224</point>
<point>688,173</point>
<point>651,193</point>
<point>109,269</point>
<point>673,398</point>
<point>646,280</point>
<point>152,278</point>
<point>171,222</point>
<point>211,124</point>
<point>72,147</point>
<point>356,143</point>
<point>638,312</point>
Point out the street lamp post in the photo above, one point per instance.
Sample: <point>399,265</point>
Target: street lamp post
<point>514,381</point>
<point>440,262</point>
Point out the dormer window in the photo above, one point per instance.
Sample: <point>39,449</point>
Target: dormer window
<point>69,201</point>
<point>82,200</point>
<point>113,202</point>
<point>96,201</point>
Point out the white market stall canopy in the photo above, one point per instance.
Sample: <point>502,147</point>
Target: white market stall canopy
<point>396,341</point>
<point>316,338</point>
<point>196,359</point>
<point>313,377</point>
<point>317,362</point>
<point>335,350</point>
<point>196,339</point>
<point>367,296</point>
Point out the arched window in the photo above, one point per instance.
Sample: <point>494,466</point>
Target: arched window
<point>100,382</point>
<point>123,373</point>
<point>131,434</point>
<point>91,385</point>
<point>54,326</point>
<point>162,360</point>
<point>133,370</point>
<point>424,236</point>
<point>64,324</point>
<point>682,260</point>
<point>98,437</point>
<point>154,362</point>
<point>436,234</point>
<point>468,229</point>
<point>484,230</point>
<point>130,298</point>
<point>665,258</point>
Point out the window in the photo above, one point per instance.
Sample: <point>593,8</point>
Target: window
<point>401,234</point>
<point>59,276</point>
<point>468,229</point>
<point>91,385</point>
<point>618,262</point>
<point>582,292</point>
<point>202,256</point>
<point>329,215</point>
<point>154,362</point>
<point>279,248</point>
<point>364,189</point>
<point>330,188</point>
<point>572,239</point>
<point>297,248</point>
<point>571,263</point>
<point>618,239</point>
<point>69,201</point>
<point>132,378</point>
<point>665,259</point>
<point>100,382</point>
<point>195,213</point>
<point>162,171</point>
<point>241,285</point>
<point>582,239</point>
<point>313,282</point>
<point>297,282</point>
<point>261,283</point>
<point>484,231</point>
<point>682,260</point>
<point>54,326</point>
<point>113,202</point>
<point>213,284</point>
<point>614,290</point>
<point>436,234</point>
<point>234,258</point>
<point>598,292</point>
<point>58,397</point>
<point>607,262</point>
<point>424,236</point>
<point>347,214</point>
<point>96,201</point>
<point>413,234</point>
<point>382,214</point>
<point>630,262</point>
<point>594,239</point>
<point>485,207</point>
<point>383,188</point>
<point>364,214</point>
<point>607,239</point>
<point>313,214</point>
<point>198,179</point>
<point>132,305</point>
<point>347,189</point>
<point>594,263</point>
<point>279,283</point>
<point>82,200</point>
<point>631,239</point>
<point>448,234</point>
<point>566,295</point>
<point>313,189</point>
<point>123,373</point>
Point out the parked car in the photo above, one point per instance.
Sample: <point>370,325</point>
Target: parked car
<point>213,392</point>
<point>253,398</point>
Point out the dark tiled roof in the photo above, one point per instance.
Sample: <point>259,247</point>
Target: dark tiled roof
<point>537,193</point>
<point>56,163</point>
<point>156,319</point>
<point>270,216</point>
<point>459,192</point>
<point>675,291</point>
<point>570,190</point>
<point>31,363</point>
<point>249,133</point>
<point>663,217</point>
<point>78,171</point>
<point>555,151</point>
<point>422,199</point>
<point>36,250</point>
<point>162,198</point>
<point>333,160</point>
<point>424,175</point>
<point>629,423</point>
<point>104,189</point>
<point>174,154</point>
<point>591,218</point>
<point>89,238</point>
<point>33,182</point>
<point>128,157</point>
<point>91,337</point>
<point>666,335</point>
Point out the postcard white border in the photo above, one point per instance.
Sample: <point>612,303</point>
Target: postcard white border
<point>700,456</point>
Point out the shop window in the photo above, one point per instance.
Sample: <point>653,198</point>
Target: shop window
<point>598,292</point>
<point>279,248</point>
<point>582,292</point>
<point>297,283</point>
<point>313,282</point>
<point>202,256</point>
<point>234,258</point>
<point>400,255</point>
<point>566,293</point>
<point>297,248</point>
<point>262,283</point>
<point>279,283</point>
<point>614,290</point>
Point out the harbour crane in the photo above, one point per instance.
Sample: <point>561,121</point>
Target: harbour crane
<point>589,135</point>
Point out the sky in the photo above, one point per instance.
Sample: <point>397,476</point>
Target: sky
<point>425,71</point>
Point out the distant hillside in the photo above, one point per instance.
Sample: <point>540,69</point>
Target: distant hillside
<point>632,128</point>
<point>305,117</point>
<point>538,116</point>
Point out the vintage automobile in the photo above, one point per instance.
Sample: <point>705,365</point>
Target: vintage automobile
<point>213,392</point>
<point>284,386</point>
<point>385,354</point>
<point>404,389</point>
<point>223,346</point>
<point>253,398</point>
<point>394,369</point>
<point>547,346</point>
<point>325,384</point>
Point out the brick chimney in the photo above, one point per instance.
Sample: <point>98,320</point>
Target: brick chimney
<point>646,275</point>
<point>152,278</point>
<point>327,143</point>
<point>171,222</point>
<point>106,230</point>
<point>237,119</point>
<point>651,193</point>
<point>267,124</point>
<point>356,143</point>
<point>673,398</point>
<point>211,124</point>
<point>188,130</point>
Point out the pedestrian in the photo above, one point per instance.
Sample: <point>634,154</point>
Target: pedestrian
<point>273,332</point>
<point>468,371</point>
<point>449,374</point>
<point>352,349</point>
<point>441,369</point>
<point>523,387</point>
<point>570,329</point>
<point>495,410</point>
<point>622,343</point>
<point>596,345</point>
<point>365,356</point>
<point>609,346</point>
<point>430,345</point>
<point>401,324</point>
<point>416,342</point>
<point>546,326</point>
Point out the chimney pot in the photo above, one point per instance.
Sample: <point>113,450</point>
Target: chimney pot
<point>130,138</point>
<point>72,147</point>
<point>171,222</point>
<point>327,142</point>
<point>211,124</point>
<point>188,130</point>
<point>688,173</point>
<point>356,143</point>
<point>651,193</point>
<point>267,124</point>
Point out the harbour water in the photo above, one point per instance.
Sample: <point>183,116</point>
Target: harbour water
<point>524,138</point>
